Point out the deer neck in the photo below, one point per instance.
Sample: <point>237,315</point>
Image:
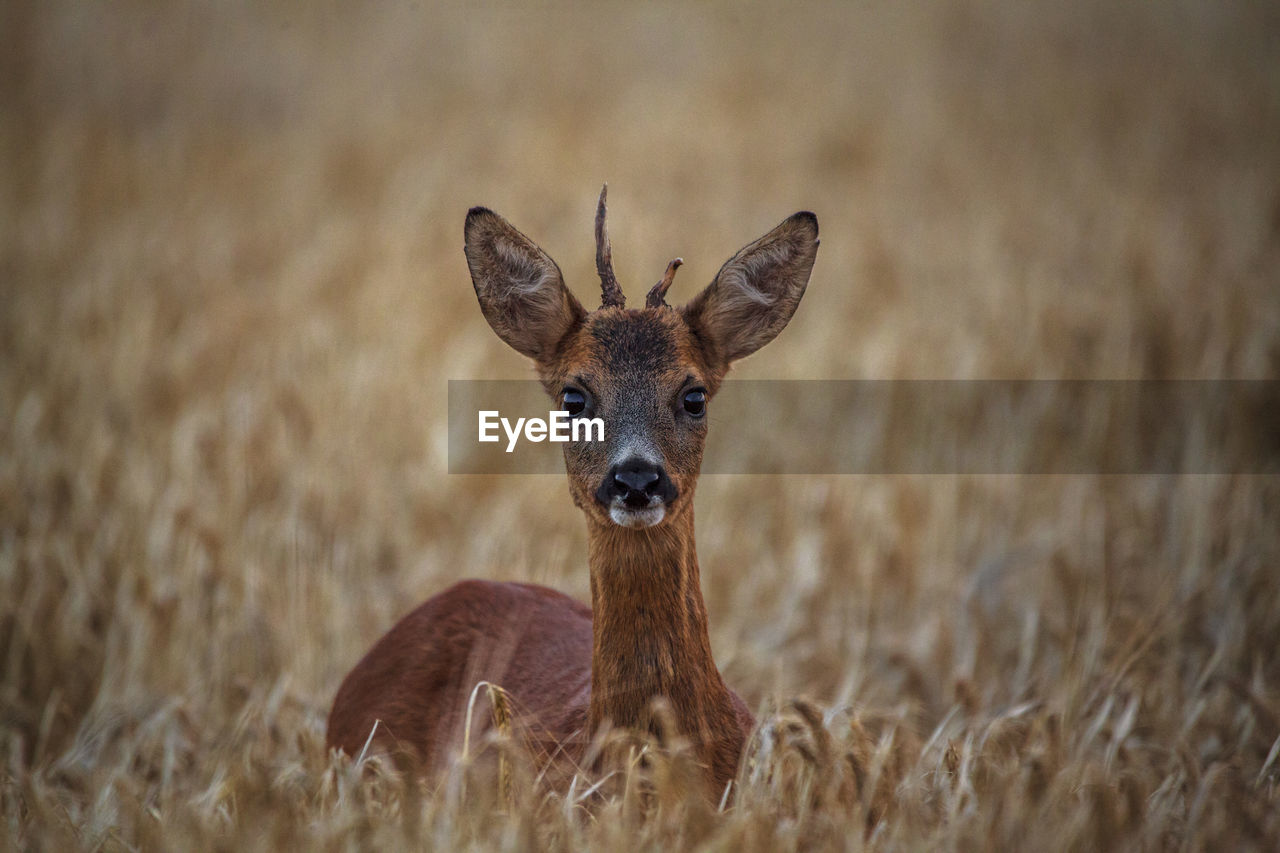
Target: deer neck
<point>650,635</point>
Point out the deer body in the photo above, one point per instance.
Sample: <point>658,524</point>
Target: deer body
<point>569,669</point>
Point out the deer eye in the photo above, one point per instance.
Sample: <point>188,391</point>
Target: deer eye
<point>695,402</point>
<point>574,401</point>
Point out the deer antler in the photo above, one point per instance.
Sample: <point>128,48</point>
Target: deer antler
<point>612,292</point>
<point>658,295</point>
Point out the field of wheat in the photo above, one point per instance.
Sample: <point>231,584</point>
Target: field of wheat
<point>232,293</point>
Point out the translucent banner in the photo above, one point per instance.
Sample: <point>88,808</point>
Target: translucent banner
<point>917,427</point>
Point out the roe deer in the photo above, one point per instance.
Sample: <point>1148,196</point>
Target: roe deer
<point>650,375</point>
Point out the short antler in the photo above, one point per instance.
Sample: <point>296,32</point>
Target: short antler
<point>658,295</point>
<point>611,291</point>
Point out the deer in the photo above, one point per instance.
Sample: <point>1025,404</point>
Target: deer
<point>574,671</point>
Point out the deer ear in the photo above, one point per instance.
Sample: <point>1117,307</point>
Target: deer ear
<point>520,289</point>
<point>755,293</point>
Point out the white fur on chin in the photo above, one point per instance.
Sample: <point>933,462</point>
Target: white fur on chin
<point>637,518</point>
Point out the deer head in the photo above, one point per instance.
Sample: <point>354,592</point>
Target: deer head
<point>650,374</point>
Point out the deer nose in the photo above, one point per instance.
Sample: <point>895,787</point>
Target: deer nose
<point>636,482</point>
<point>635,478</point>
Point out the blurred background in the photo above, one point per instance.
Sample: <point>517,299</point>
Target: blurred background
<point>232,292</point>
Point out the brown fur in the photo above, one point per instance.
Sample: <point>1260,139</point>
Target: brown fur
<point>571,670</point>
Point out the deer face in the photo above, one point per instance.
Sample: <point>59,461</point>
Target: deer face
<point>644,374</point>
<point>648,374</point>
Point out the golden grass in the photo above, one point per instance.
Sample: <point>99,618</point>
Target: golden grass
<point>232,290</point>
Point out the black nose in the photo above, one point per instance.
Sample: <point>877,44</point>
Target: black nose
<point>636,482</point>
<point>635,478</point>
